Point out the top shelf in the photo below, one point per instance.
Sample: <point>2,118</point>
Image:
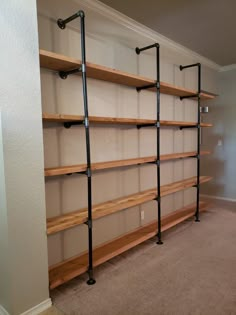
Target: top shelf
<point>56,62</point>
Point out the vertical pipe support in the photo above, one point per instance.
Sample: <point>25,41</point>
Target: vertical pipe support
<point>157,85</point>
<point>91,279</point>
<point>198,142</point>
<point>62,24</point>
<point>198,95</point>
<point>159,236</point>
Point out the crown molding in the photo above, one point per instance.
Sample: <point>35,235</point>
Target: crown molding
<point>145,31</point>
<point>228,68</point>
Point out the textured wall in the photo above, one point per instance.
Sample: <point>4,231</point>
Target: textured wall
<point>111,45</point>
<point>20,104</point>
<point>221,165</point>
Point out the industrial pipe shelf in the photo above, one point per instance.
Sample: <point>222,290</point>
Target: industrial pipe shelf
<point>65,66</point>
<point>73,267</point>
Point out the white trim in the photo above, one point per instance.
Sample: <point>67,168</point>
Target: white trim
<point>219,198</point>
<point>228,68</point>
<point>3,311</point>
<point>145,31</point>
<point>43,306</point>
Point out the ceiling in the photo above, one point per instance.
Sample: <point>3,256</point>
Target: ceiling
<point>207,27</point>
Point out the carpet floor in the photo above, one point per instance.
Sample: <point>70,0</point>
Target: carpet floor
<point>193,273</point>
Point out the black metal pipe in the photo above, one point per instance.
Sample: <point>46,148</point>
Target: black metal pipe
<point>198,142</point>
<point>188,127</point>
<point>145,87</point>
<point>198,95</point>
<point>62,23</point>
<point>146,125</point>
<point>89,179</point>
<point>64,74</point>
<point>68,124</point>
<point>188,96</point>
<point>138,50</point>
<point>159,240</point>
<point>157,125</point>
<point>189,66</point>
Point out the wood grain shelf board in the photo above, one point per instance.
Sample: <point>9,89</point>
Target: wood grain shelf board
<point>69,220</point>
<point>96,119</point>
<point>61,118</point>
<point>73,267</point>
<point>79,168</point>
<point>57,62</point>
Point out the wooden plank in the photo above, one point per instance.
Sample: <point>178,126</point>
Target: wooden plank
<point>56,62</point>
<point>69,220</point>
<point>182,123</point>
<point>63,170</point>
<point>182,155</point>
<point>73,267</point>
<point>96,119</point>
<point>183,184</point>
<point>61,118</point>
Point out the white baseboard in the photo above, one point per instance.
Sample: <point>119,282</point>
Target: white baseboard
<point>219,198</point>
<point>39,308</point>
<point>3,311</point>
<point>33,311</point>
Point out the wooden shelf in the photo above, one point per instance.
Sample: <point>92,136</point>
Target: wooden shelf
<point>80,168</point>
<point>96,119</point>
<point>71,268</point>
<point>66,221</point>
<point>56,62</point>
<point>59,118</point>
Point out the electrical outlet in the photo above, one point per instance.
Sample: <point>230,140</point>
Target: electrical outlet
<point>142,215</point>
<point>220,142</point>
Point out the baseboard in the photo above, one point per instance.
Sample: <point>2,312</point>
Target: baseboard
<point>33,311</point>
<point>219,198</point>
<point>38,308</point>
<point>3,311</point>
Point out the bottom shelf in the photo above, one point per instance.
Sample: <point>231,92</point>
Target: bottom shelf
<point>73,267</point>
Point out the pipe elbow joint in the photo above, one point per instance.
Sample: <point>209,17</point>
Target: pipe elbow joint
<point>81,13</point>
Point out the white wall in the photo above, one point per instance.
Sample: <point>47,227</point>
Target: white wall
<point>112,44</point>
<point>221,165</point>
<point>23,247</point>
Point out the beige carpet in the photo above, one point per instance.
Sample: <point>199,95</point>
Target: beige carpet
<point>193,273</point>
<point>52,311</point>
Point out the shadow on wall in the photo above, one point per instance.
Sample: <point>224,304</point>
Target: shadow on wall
<point>212,189</point>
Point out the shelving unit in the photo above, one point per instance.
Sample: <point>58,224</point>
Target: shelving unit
<point>64,66</point>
